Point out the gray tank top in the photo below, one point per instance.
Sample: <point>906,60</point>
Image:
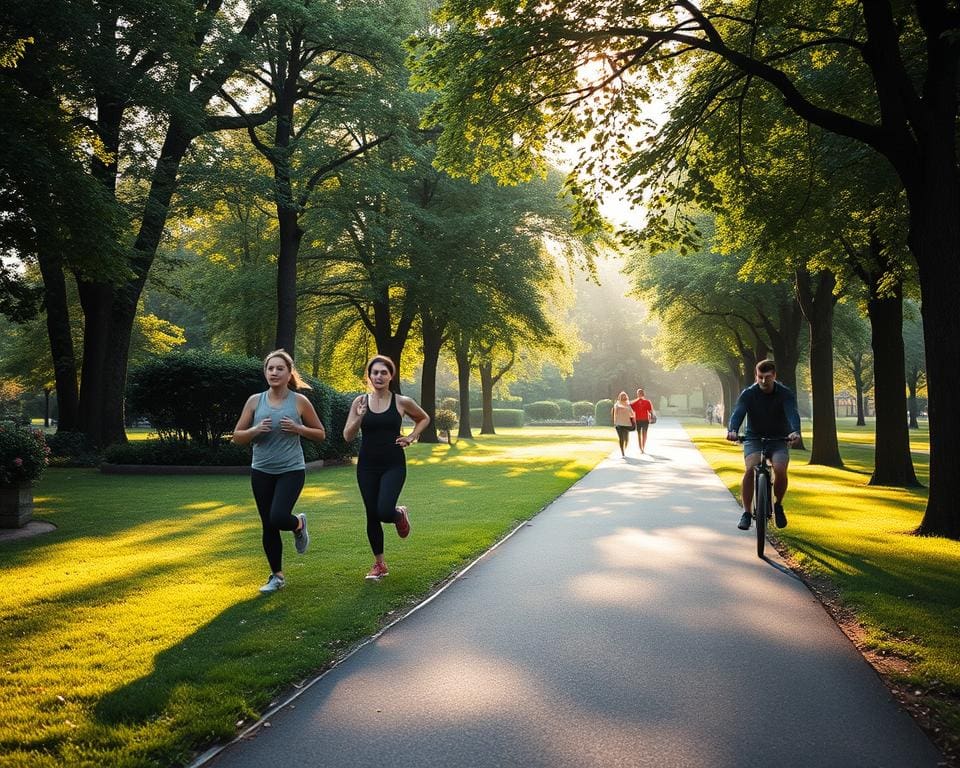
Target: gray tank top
<point>277,451</point>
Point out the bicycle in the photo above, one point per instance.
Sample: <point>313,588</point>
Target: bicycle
<point>762,507</point>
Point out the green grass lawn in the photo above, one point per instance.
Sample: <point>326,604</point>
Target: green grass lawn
<point>134,634</point>
<point>904,589</point>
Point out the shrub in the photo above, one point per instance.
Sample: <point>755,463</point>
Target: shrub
<point>23,454</point>
<point>450,404</point>
<point>333,408</point>
<point>543,410</point>
<point>583,408</point>
<point>173,453</point>
<point>566,408</point>
<point>72,449</point>
<point>602,413</point>
<point>198,396</point>
<point>195,394</point>
<point>502,417</point>
<point>445,420</point>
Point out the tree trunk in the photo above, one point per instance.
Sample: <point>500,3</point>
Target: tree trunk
<point>785,341</point>
<point>432,332</point>
<point>486,398</point>
<point>817,307</point>
<point>389,342</point>
<point>939,267</point>
<point>858,383</point>
<point>893,463</point>
<point>291,236</point>
<point>61,342</point>
<point>912,378</point>
<point>287,214</point>
<point>96,300</point>
<point>462,353</point>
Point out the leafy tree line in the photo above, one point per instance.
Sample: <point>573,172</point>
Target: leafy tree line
<point>255,173</point>
<point>822,135</point>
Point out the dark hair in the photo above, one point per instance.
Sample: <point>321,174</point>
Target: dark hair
<point>381,359</point>
<point>766,366</point>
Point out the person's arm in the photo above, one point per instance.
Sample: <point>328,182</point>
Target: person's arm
<point>793,415</point>
<point>736,418</point>
<point>357,409</point>
<point>312,427</point>
<point>245,431</point>
<point>408,407</point>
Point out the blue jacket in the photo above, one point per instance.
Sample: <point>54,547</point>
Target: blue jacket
<point>773,415</point>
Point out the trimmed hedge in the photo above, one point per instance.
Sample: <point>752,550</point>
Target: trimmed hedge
<point>193,400</point>
<point>602,413</point>
<point>332,407</point>
<point>195,395</point>
<point>174,453</point>
<point>71,449</point>
<point>543,410</point>
<point>566,408</point>
<point>502,417</point>
<point>583,408</point>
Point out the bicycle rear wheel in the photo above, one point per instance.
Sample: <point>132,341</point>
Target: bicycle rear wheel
<point>761,510</point>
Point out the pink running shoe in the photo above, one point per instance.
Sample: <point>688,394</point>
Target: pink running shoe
<point>378,571</point>
<point>403,524</point>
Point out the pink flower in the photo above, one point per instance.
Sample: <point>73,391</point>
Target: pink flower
<point>18,462</point>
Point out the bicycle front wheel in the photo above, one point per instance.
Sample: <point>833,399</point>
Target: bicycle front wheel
<point>761,510</point>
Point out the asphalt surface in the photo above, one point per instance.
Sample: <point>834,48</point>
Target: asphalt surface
<point>629,624</point>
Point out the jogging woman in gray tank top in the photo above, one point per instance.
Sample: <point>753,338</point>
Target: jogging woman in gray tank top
<point>274,421</point>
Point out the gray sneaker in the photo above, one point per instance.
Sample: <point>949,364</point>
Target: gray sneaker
<point>274,584</point>
<point>301,538</point>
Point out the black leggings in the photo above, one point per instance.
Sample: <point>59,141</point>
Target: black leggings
<point>623,435</point>
<point>275,496</point>
<point>380,488</point>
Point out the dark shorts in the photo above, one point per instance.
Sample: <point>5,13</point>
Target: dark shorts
<point>778,449</point>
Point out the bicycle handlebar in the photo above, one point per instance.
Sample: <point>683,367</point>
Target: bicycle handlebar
<point>744,438</point>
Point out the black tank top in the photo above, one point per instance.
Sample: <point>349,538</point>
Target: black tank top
<point>379,433</point>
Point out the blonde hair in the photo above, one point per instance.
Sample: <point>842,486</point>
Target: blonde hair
<point>295,382</point>
<point>623,394</point>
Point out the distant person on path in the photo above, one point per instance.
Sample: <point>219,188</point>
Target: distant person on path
<point>718,413</point>
<point>274,421</point>
<point>623,421</point>
<point>644,415</point>
<point>382,466</point>
<point>709,413</point>
<point>771,411</point>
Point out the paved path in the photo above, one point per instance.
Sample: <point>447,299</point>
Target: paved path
<point>629,624</point>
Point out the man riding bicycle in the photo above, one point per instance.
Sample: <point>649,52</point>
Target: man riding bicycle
<point>771,411</point>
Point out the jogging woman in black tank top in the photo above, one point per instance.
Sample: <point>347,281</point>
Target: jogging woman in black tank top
<point>382,467</point>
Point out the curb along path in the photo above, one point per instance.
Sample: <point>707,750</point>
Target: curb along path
<point>628,624</point>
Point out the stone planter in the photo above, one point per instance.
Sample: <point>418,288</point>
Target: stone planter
<point>16,506</point>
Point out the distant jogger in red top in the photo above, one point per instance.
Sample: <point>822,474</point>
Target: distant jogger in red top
<point>643,410</point>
